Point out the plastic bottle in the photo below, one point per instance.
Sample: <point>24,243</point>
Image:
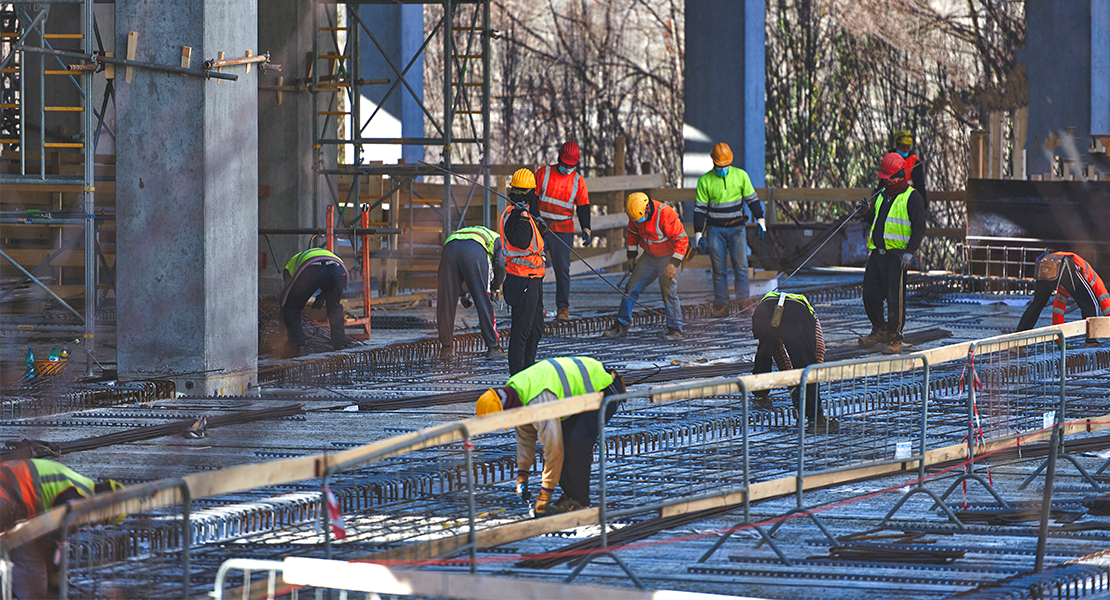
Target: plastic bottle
<point>65,353</point>
<point>30,363</point>
<point>53,355</point>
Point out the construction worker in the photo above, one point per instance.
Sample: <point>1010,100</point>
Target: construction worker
<point>307,272</point>
<point>658,229</point>
<point>562,192</point>
<point>719,210</point>
<point>790,336</point>
<point>896,232</point>
<point>915,167</point>
<point>471,268</point>
<point>29,488</point>
<point>568,443</point>
<point>1071,277</point>
<point>522,237</point>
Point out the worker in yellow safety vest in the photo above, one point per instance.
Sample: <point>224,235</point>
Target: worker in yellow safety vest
<point>307,272</point>
<point>471,268</point>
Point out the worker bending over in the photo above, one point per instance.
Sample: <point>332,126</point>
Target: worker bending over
<point>562,193</point>
<point>307,272</point>
<point>471,267</point>
<point>657,229</point>
<point>29,488</point>
<point>522,237</point>
<point>896,233</point>
<point>1071,277</point>
<point>568,444</point>
<point>719,209</point>
<point>790,336</point>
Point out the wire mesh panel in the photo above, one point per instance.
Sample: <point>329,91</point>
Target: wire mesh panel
<point>1016,385</point>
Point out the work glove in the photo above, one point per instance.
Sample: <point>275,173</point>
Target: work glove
<point>586,237</point>
<point>670,271</point>
<point>862,205</point>
<point>319,303</point>
<point>907,258</point>
<point>762,227</point>
<point>467,302</point>
<point>522,487</point>
<point>701,243</point>
<point>628,264</point>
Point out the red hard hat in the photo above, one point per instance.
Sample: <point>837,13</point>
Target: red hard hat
<point>891,165</point>
<point>568,154</point>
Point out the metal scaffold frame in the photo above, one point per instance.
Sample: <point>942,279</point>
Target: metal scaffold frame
<point>345,74</point>
<point>14,47</point>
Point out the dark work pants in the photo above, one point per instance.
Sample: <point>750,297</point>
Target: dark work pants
<point>331,282</point>
<point>464,261</point>
<point>1073,283</point>
<point>884,279</point>
<point>579,434</point>
<point>558,254</point>
<point>797,332</point>
<point>525,296</point>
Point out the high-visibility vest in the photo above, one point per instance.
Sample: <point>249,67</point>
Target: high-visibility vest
<point>897,228</point>
<point>522,262</point>
<point>911,161</point>
<point>309,256</point>
<point>798,297</point>
<point>1101,296</point>
<point>56,478</point>
<point>35,483</point>
<point>660,235</point>
<point>477,233</point>
<point>558,195</point>
<point>565,376</point>
<point>19,486</point>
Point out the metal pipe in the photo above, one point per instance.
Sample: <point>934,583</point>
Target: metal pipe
<point>97,58</point>
<point>1046,501</point>
<point>35,280</point>
<point>324,230</point>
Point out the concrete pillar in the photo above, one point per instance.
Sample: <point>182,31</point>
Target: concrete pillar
<point>400,32</point>
<point>186,189</point>
<point>1067,58</point>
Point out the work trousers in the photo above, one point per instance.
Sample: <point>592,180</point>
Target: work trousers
<point>725,243</point>
<point>884,279</point>
<point>465,261</point>
<point>558,255</point>
<point>799,333</point>
<point>1076,287</point>
<point>579,434</point>
<point>649,268</point>
<point>330,280</point>
<point>525,297</point>
<point>549,433</point>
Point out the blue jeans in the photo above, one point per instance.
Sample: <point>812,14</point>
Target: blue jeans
<point>648,269</point>
<point>724,242</point>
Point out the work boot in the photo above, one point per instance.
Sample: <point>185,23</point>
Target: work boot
<point>563,313</point>
<point>761,400</point>
<point>616,330</point>
<point>720,310</point>
<point>567,504</point>
<point>446,353</point>
<point>495,353</point>
<point>1091,344</point>
<point>672,335</point>
<point>893,347</point>
<point>877,336</point>
<point>823,424</point>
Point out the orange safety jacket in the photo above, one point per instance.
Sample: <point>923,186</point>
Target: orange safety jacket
<point>911,162</point>
<point>19,486</point>
<point>559,194</point>
<point>1101,296</point>
<point>660,235</point>
<point>526,262</point>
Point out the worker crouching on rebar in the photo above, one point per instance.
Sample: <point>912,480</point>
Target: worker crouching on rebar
<point>657,229</point>
<point>1071,277</point>
<point>304,274</point>
<point>896,233</point>
<point>522,234</point>
<point>471,267</point>
<point>790,336</point>
<point>568,444</point>
<point>29,488</point>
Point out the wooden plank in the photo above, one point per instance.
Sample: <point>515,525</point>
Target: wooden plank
<point>132,42</point>
<point>624,183</point>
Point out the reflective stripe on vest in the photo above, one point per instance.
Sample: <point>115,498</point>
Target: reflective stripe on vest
<point>652,227</point>
<point>300,258</point>
<point>477,233</point>
<point>20,484</point>
<point>55,478</point>
<point>566,205</point>
<point>896,229</point>
<point>522,263</point>
<point>797,297</point>
<point>552,374</point>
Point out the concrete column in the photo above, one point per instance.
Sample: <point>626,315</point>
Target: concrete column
<point>725,106</point>
<point>186,189</point>
<point>400,32</point>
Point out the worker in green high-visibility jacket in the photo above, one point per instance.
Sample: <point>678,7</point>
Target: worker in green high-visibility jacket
<point>307,272</point>
<point>471,268</point>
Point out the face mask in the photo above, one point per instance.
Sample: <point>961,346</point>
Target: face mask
<point>903,154</point>
<point>642,219</point>
<point>566,170</point>
<point>722,171</point>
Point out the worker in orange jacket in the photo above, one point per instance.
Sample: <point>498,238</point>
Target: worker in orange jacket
<point>521,234</point>
<point>1071,277</point>
<point>29,488</point>
<point>657,229</point>
<point>562,193</point>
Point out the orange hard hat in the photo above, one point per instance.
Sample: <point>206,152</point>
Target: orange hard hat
<point>721,155</point>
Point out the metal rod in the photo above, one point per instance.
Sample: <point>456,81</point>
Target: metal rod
<point>322,230</point>
<point>128,63</point>
<point>1046,502</point>
<point>42,285</point>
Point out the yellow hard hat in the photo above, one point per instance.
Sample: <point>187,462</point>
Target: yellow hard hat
<point>721,155</point>
<point>488,402</point>
<point>903,137</point>
<point>523,179</point>
<point>636,205</point>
